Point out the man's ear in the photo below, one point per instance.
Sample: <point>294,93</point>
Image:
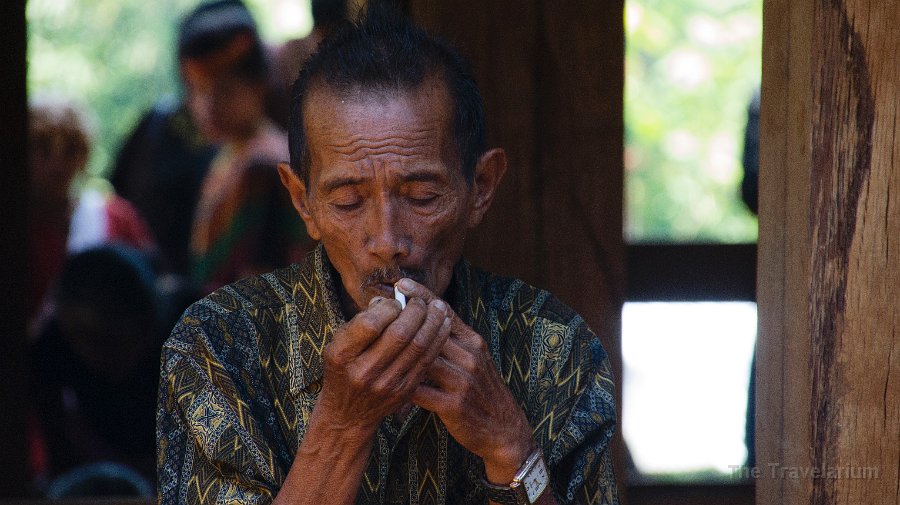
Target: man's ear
<point>488,172</point>
<point>299,198</point>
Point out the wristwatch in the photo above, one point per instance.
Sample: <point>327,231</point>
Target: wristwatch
<point>526,487</point>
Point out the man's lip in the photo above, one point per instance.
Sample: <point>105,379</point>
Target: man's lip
<point>385,289</point>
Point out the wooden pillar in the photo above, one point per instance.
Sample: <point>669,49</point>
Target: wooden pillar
<point>552,76</point>
<point>828,418</point>
<point>13,188</point>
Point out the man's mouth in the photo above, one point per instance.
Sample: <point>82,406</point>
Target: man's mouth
<point>385,290</point>
<point>383,279</point>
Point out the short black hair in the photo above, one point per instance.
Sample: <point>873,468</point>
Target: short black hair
<point>385,52</point>
<point>212,26</point>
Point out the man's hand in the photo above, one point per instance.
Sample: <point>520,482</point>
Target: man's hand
<point>472,400</point>
<point>375,362</point>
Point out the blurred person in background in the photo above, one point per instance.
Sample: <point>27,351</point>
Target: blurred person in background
<point>245,222</point>
<point>159,168</point>
<point>62,221</point>
<point>94,368</point>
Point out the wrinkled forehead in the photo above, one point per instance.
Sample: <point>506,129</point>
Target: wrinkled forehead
<point>360,110</point>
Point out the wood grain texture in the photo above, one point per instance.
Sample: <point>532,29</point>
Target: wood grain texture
<point>552,76</point>
<point>829,279</point>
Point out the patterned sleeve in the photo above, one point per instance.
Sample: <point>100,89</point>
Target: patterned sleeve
<point>208,445</point>
<point>576,414</point>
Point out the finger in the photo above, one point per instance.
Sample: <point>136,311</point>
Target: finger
<point>425,345</point>
<point>396,336</point>
<point>365,328</point>
<point>431,398</point>
<point>411,288</point>
<point>462,357</point>
<point>446,375</point>
<point>468,339</point>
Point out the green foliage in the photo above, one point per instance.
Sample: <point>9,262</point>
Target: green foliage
<point>692,67</point>
<point>116,57</point>
<point>113,57</point>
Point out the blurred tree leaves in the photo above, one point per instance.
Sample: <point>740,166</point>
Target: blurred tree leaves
<point>117,57</point>
<point>114,57</point>
<point>691,67</point>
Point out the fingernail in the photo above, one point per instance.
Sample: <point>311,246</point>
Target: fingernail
<point>374,300</point>
<point>446,323</point>
<point>405,284</point>
<point>440,305</point>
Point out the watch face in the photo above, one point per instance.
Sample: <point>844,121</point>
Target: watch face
<point>536,481</point>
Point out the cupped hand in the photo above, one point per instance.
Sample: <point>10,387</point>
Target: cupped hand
<point>376,361</point>
<point>468,394</point>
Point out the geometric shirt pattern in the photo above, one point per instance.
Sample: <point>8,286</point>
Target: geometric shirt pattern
<point>242,370</point>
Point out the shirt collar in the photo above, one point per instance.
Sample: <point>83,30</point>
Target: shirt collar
<point>318,314</point>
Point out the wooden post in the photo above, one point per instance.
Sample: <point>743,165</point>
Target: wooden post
<point>552,75</point>
<point>13,191</point>
<point>828,418</point>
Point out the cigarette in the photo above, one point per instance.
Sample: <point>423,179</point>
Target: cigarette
<point>400,297</point>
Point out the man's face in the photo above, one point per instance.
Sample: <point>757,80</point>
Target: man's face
<point>225,107</point>
<point>386,194</point>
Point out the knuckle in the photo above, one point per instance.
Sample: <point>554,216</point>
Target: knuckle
<point>435,316</point>
<point>480,344</point>
<point>469,363</point>
<point>367,323</point>
<point>378,388</point>
<point>332,355</point>
<point>419,344</point>
<point>397,337</point>
<point>386,387</point>
<point>357,379</point>
<point>401,385</point>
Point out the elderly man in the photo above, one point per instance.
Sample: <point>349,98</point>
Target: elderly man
<point>312,384</point>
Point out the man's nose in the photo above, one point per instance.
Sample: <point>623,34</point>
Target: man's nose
<point>386,237</point>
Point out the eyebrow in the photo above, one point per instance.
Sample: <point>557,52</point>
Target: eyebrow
<point>338,182</point>
<point>351,180</point>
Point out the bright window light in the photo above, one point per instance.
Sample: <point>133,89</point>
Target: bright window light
<point>686,374</point>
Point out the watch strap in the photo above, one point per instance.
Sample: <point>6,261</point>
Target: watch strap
<point>503,495</point>
<point>516,493</point>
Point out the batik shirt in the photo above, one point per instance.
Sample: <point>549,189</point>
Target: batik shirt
<point>242,371</point>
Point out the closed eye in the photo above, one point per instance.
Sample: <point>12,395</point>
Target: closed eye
<point>347,206</point>
<point>345,198</point>
<point>423,198</point>
<point>422,194</point>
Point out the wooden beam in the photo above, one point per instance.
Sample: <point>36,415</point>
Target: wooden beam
<point>691,272</point>
<point>828,417</point>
